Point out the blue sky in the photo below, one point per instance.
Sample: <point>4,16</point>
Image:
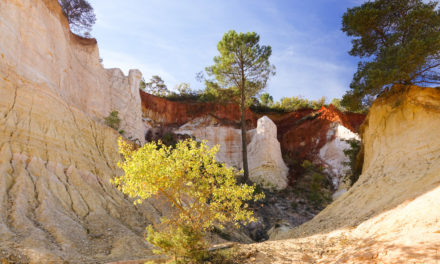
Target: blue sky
<point>175,39</point>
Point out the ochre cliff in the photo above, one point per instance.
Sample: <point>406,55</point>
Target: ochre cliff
<point>302,134</point>
<point>170,113</point>
<point>56,156</point>
<point>391,214</point>
<point>38,46</point>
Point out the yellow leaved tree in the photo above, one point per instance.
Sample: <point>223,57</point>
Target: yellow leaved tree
<point>203,192</point>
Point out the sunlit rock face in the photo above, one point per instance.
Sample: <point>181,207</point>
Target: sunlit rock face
<point>307,134</point>
<point>266,165</point>
<point>36,44</point>
<point>56,155</point>
<point>209,129</point>
<point>319,137</point>
<point>394,205</point>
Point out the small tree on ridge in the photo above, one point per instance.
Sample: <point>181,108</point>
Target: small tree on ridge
<point>80,15</point>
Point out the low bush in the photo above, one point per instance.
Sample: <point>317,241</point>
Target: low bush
<point>354,163</point>
<point>113,120</point>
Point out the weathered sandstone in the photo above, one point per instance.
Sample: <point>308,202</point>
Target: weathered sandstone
<point>37,45</point>
<point>391,214</point>
<point>56,156</point>
<point>266,165</point>
<point>302,134</point>
<point>209,129</point>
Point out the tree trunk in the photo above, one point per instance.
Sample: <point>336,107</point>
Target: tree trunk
<point>243,136</point>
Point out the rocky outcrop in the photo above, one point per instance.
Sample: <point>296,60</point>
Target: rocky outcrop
<point>303,134</point>
<point>266,165</point>
<point>317,136</point>
<point>171,113</point>
<point>56,156</point>
<point>210,129</point>
<point>125,98</point>
<point>391,214</point>
<point>37,45</point>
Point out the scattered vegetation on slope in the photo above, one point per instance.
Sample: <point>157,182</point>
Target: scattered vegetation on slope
<point>113,120</point>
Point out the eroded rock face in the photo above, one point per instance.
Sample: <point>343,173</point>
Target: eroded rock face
<point>229,138</point>
<point>170,113</point>
<point>125,98</point>
<point>391,213</point>
<point>266,165</point>
<point>37,45</point>
<point>318,136</point>
<point>56,156</point>
<point>314,135</point>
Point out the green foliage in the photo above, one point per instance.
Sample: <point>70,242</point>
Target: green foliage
<point>315,185</point>
<point>242,69</point>
<point>185,93</point>
<point>242,64</point>
<point>290,104</point>
<point>225,256</point>
<point>266,99</point>
<point>80,15</point>
<point>182,242</point>
<point>184,88</point>
<point>156,86</point>
<point>203,193</point>
<point>398,42</point>
<point>355,169</point>
<point>336,102</point>
<point>169,139</point>
<point>142,84</point>
<point>113,120</point>
<point>308,165</point>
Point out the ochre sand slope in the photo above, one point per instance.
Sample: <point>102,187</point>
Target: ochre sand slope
<point>392,213</point>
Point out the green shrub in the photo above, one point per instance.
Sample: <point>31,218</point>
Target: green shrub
<point>113,120</point>
<point>185,243</point>
<point>315,184</point>
<point>355,165</point>
<point>308,165</point>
